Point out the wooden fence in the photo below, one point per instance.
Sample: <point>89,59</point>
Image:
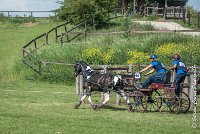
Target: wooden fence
<point>175,13</point>
<point>58,33</point>
<point>25,14</point>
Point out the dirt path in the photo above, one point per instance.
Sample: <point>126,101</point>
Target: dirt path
<point>168,26</point>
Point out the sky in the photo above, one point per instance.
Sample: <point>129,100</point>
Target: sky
<point>51,4</point>
<point>195,4</point>
<point>41,5</point>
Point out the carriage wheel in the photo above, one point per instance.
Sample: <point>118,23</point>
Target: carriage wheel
<point>170,103</point>
<point>185,102</point>
<point>137,102</point>
<point>154,101</point>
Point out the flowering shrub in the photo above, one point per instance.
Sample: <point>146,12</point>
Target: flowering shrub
<point>107,56</point>
<point>92,55</point>
<point>189,52</point>
<point>135,57</point>
<point>169,49</point>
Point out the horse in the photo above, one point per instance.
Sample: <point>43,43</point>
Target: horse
<point>102,82</point>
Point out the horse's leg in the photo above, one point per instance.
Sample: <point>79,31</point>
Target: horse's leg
<point>106,99</point>
<point>91,103</point>
<point>80,102</point>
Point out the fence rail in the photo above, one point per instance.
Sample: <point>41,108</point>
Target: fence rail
<point>175,13</point>
<point>25,14</point>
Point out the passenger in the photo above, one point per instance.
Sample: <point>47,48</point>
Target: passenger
<point>181,72</point>
<point>156,65</point>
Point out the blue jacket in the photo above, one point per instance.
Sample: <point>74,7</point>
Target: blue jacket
<point>180,67</point>
<point>158,66</point>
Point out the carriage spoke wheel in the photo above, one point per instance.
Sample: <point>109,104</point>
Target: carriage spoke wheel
<point>137,102</point>
<point>154,101</point>
<point>170,103</point>
<point>185,102</point>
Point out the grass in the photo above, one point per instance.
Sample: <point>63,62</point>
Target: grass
<point>12,38</point>
<point>38,107</point>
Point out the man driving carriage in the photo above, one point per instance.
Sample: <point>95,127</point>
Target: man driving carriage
<point>181,72</point>
<point>157,66</point>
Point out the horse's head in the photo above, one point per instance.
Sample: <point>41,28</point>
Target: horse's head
<point>81,67</point>
<point>78,68</point>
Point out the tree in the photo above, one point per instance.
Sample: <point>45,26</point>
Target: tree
<point>79,10</point>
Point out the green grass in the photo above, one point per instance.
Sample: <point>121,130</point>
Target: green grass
<point>36,107</point>
<point>12,38</point>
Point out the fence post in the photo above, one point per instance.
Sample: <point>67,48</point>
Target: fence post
<point>173,75</point>
<point>105,70</point>
<point>198,19</point>
<point>23,52</point>
<point>65,28</point>
<point>35,44</point>
<point>78,84</point>
<point>189,18</point>
<point>61,39</point>
<point>165,13</point>
<point>56,32</point>
<point>186,89</point>
<point>118,99</point>
<point>179,12</point>
<point>191,87</point>
<point>47,38</point>
<point>85,30</point>
<point>39,66</point>
<point>184,15</point>
<point>174,13</point>
<point>81,86</point>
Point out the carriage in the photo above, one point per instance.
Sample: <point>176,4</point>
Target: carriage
<point>160,96</point>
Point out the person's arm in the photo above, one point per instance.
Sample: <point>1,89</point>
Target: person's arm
<point>150,72</point>
<point>146,68</point>
<point>174,66</point>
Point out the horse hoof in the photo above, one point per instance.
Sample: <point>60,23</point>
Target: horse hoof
<point>130,109</point>
<point>97,108</point>
<point>94,107</point>
<point>75,107</point>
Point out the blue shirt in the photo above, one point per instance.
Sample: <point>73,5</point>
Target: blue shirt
<point>158,66</point>
<point>180,67</point>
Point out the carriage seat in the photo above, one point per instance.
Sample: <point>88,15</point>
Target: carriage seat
<point>162,81</point>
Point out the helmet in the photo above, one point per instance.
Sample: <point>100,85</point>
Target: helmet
<point>153,56</point>
<point>176,56</point>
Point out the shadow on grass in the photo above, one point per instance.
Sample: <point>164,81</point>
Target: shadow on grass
<point>114,108</point>
<point>106,107</point>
